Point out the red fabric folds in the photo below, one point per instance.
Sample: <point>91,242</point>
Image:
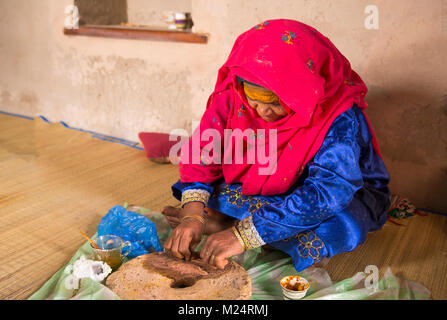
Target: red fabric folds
<point>310,76</point>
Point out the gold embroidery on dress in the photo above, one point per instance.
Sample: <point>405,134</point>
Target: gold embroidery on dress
<point>235,197</point>
<point>309,245</point>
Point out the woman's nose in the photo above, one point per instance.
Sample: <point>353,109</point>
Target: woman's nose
<point>263,110</point>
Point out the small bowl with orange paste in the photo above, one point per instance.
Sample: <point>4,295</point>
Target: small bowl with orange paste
<point>294,287</point>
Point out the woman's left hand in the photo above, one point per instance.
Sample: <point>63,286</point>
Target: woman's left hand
<point>219,246</point>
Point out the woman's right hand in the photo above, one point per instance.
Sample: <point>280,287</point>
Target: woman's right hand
<point>187,235</point>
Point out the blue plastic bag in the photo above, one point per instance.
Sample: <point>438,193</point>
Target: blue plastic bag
<point>130,226</point>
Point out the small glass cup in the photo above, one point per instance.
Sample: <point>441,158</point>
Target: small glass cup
<point>180,20</point>
<point>294,287</point>
<point>111,250</point>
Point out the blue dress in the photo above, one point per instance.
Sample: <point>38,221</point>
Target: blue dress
<point>341,196</point>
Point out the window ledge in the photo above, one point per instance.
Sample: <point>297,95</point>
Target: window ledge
<point>137,33</point>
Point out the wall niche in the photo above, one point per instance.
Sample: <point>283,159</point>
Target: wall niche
<point>133,19</point>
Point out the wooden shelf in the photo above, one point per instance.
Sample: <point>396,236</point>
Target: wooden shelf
<point>137,33</point>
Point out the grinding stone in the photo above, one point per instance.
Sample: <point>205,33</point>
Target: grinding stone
<point>158,276</point>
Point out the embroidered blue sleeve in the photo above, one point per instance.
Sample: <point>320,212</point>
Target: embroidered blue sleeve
<point>334,177</point>
<point>179,187</point>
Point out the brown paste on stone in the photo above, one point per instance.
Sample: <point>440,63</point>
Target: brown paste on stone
<point>184,273</point>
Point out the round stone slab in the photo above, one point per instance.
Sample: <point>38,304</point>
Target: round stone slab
<point>158,276</point>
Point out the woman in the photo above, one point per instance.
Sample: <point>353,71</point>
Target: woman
<point>329,185</point>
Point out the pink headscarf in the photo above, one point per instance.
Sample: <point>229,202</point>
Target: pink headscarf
<point>309,75</point>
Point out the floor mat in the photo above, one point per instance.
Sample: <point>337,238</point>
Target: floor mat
<point>416,251</point>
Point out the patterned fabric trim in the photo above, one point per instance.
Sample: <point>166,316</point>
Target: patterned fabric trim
<point>195,195</point>
<point>401,209</point>
<point>249,234</point>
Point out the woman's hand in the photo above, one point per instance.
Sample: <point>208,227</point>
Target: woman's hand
<point>220,246</point>
<point>187,235</point>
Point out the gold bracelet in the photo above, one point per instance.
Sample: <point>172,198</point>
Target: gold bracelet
<point>238,236</point>
<point>195,216</point>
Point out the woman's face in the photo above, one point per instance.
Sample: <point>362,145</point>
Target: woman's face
<point>269,112</point>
